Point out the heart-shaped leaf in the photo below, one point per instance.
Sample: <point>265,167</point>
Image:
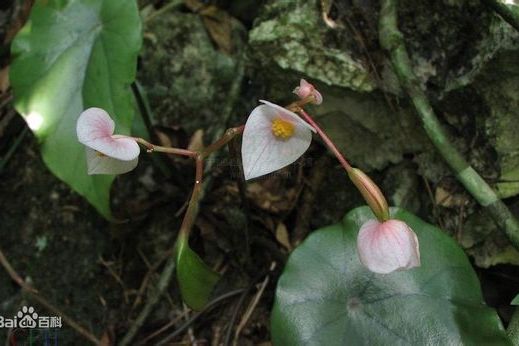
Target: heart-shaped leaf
<point>71,55</point>
<point>326,297</point>
<point>195,278</point>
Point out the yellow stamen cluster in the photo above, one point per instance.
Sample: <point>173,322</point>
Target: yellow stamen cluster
<point>282,129</point>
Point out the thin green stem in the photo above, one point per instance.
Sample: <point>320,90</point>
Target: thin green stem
<point>511,17</point>
<point>392,40</point>
<point>513,328</point>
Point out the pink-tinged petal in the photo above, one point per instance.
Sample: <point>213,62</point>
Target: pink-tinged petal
<point>101,164</point>
<point>92,124</point>
<point>306,89</point>
<point>388,246</point>
<point>262,152</point>
<point>278,111</point>
<point>95,130</point>
<point>318,97</point>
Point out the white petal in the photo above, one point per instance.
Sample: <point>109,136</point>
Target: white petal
<point>95,130</point>
<point>100,164</point>
<point>288,115</point>
<point>94,123</point>
<point>262,152</point>
<point>389,246</point>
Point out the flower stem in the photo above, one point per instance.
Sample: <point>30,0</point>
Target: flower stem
<point>226,138</point>
<point>368,189</point>
<point>192,208</point>
<point>168,150</point>
<point>329,143</point>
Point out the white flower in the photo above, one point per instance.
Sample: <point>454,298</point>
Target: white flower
<point>106,153</point>
<point>388,246</point>
<point>273,138</point>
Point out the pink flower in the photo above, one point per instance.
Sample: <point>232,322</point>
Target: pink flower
<point>306,89</point>
<point>273,138</point>
<point>106,153</point>
<point>388,246</point>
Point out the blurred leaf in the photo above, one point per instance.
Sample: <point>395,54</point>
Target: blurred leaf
<point>326,297</point>
<point>515,301</point>
<point>71,55</point>
<point>195,278</point>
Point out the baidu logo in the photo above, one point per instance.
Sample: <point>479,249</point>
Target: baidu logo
<point>28,318</point>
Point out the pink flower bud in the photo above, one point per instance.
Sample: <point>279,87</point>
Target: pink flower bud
<point>388,246</point>
<point>306,89</point>
<point>371,193</point>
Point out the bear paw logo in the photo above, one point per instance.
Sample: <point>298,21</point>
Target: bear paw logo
<point>27,317</point>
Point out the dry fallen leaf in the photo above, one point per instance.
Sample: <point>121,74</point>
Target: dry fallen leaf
<point>447,199</point>
<point>217,22</point>
<point>282,236</point>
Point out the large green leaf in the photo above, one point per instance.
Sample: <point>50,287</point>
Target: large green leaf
<point>326,297</point>
<point>71,55</point>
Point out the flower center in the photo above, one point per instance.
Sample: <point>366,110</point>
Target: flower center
<point>282,129</point>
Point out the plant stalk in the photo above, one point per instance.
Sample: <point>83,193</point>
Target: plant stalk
<point>392,40</point>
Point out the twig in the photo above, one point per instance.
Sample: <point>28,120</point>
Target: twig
<point>162,329</point>
<point>392,40</point>
<point>13,148</point>
<point>504,11</point>
<point>152,300</point>
<point>250,309</point>
<point>33,294</point>
<point>239,303</point>
<point>163,9</point>
<point>235,313</point>
<point>209,306</point>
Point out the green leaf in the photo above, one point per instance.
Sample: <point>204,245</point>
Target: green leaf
<point>515,301</point>
<point>326,297</point>
<point>71,55</point>
<point>195,278</point>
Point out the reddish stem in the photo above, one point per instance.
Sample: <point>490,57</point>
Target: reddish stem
<point>326,139</point>
<point>158,148</point>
